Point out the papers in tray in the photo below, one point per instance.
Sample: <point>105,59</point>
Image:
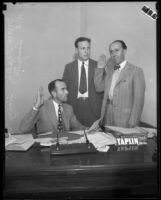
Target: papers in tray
<point>19,142</point>
<point>150,132</point>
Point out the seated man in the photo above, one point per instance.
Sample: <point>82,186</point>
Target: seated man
<point>53,114</point>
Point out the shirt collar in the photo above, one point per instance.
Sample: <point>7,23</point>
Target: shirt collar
<point>85,62</point>
<point>122,65</point>
<point>56,104</point>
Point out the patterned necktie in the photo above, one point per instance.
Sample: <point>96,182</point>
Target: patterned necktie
<point>116,67</point>
<point>60,121</point>
<point>83,81</point>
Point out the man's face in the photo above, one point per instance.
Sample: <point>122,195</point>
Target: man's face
<point>60,93</point>
<point>117,52</point>
<point>83,50</point>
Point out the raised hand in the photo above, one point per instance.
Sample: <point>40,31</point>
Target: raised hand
<point>40,97</point>
<point>102,61</point>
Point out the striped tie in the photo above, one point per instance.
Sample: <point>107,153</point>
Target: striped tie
<point>60,121</point>
<point>83,81</point>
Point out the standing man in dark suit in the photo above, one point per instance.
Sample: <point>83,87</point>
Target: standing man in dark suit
<point>123,86</point>
<point>79,77</point>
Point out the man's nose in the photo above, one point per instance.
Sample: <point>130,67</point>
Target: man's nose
<point>86,51</point>
<point>114,53</point>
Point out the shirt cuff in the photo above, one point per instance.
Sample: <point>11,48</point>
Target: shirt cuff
<point>34,108</point>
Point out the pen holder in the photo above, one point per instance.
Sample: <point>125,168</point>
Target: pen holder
<point>68,149</point>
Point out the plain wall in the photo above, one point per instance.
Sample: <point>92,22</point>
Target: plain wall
<point>39,41</point>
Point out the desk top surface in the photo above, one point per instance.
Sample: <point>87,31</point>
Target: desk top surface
<point>38,159</point>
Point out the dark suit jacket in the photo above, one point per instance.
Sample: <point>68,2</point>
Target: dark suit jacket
<point>46,120</point>
<point>70,77</point>
<point>128,94</point>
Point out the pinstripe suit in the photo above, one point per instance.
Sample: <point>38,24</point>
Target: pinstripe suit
<point>128,95</point>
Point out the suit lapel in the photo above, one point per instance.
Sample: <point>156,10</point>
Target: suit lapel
<point>52,114</point>
<point>65,123</point>
<point>109,80</point>
<point>106,93</point>
<point>75,73</point>
<point>90,73</point>
<point>124,72</point>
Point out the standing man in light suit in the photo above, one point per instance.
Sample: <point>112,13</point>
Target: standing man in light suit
<point>79,77</point>
<point>124,87</point>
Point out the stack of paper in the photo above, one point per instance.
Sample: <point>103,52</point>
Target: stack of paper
<point>150,132</point>
<point>9,140</point>
<point>125,131</point>
<point>19,143</point>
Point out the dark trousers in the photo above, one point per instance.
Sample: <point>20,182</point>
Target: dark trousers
<point>84,113</point>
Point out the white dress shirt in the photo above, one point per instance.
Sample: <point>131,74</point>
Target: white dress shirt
<point>56,105</point>
<point>115,77</point>
<point>86,64</point>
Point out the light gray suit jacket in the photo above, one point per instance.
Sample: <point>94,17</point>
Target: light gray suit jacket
<point>128,94</point>
<point>45,119</point>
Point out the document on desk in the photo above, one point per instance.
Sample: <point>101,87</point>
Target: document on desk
<point>50,141</point>
<point>125,131</point>
<point>94,126</point>
<point>80,132</point>
<point>71,137</point>
<point>101,139</point>
<point>20,142</point>
<point>46,134</point>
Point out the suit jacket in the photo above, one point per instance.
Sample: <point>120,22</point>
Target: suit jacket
<point>46,120</point>
<point>70,77</point>
<point>128,94</point>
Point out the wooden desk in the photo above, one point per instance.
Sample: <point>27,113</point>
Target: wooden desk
<point>120,172</point>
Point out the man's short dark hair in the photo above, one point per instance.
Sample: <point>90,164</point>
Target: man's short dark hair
<point>52,85</point>
<point>81,39</point>
<point>122,43</point>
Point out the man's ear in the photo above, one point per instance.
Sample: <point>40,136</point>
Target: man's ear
<point>53,93</point>
<point>75,56</point>
<point>125,51</point>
